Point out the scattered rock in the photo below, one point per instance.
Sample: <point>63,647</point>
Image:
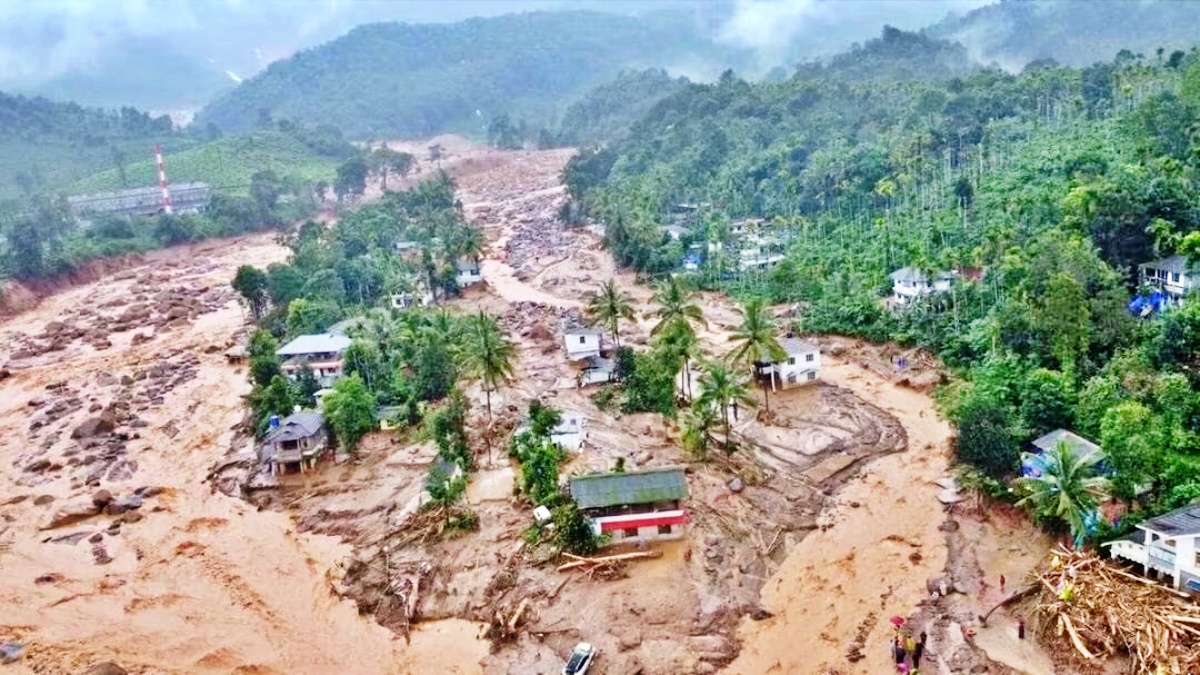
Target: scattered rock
<point>100,555</point>
<point>949,526</point>
<point>15,500</point>
<point>737,484</point>
<point>72,513</point>
<point>94,426</point>
<point>96,538</point>
<point>938,584</point>
<point>49,578</point>
<point>38,466</point>
<point>10,651</point>
<point>42,500</point>
<point>102,498</point>
<point>106,379</point>
<point>628,638</point>
<point>760,614</point>
<point>147,491</point>
<point>132,517</point>
<point>106,668</point>
<point>114,509</point>
<point>855,504</point>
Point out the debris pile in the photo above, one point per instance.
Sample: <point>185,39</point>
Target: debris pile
<point>1103,611</point>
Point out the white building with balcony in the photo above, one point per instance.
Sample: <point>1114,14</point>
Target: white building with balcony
<point>1173,275</point>
<point>1166,547</point>
<point>320,353</point>
<point>910,283</point>
<point>800,365</point>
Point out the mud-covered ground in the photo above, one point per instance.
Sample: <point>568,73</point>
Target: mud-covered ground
<point>114,544</point>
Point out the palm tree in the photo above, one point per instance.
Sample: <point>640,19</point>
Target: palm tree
<point>722,386</point>
<point>678,345</point>
<point>756,341</point>
<point>609,305</point>
<point>676,305</point>
<point>1068,489</point>
<point>488,355</point>
<point>697,430</point>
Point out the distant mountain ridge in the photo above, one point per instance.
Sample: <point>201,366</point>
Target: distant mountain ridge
<point>395,79</point>
<point>1013,33</point>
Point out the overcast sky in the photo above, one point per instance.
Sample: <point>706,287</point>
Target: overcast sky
<point>43,38</point>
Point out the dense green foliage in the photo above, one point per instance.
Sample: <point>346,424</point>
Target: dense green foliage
<point>47,144</point>
<point>228,163</point>
<point>1041,191</point>
<point>608,111</point>
<point>350,411</point>
<point>389,79</point>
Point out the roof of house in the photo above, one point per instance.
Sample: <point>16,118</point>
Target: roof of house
<point>634,487</point>
<point>1180,522</point>
<point>1175,263</point>
<point>296,426</point>
<point>322,343</point>
<point>1077,443</point>
<point>794,345</point>
<point>916,275</point>
<point>582,330</point>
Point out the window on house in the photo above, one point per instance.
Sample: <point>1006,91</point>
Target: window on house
<point>1175,277</point>
<point>791,360</point>
<point>1169,543</point>
<point>666,529</point>
<point>791,378</point>
<point>582,339</point>
<point>812,376</point>
<point>630,532</point>
<point>808,357</point>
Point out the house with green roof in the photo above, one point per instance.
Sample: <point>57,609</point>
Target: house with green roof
<point>633,506</point>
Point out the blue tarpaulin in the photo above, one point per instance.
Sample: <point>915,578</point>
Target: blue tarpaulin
<point>1141,305</point>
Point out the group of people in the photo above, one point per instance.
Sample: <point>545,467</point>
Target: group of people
<point>908,651</point>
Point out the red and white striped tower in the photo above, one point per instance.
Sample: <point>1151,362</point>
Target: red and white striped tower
<point>167,206</point>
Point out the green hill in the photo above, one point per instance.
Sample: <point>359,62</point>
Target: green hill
<point>1074,32</point>
<point>228,163</point>
<point>45,145</point>
<point>397,79</point>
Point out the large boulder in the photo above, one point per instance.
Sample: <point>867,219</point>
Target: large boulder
<point>102,498</point>
<point>106,668</point>
<point>93,426</point>
<point>71,514</point>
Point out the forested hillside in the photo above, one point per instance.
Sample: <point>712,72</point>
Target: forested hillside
<point>1073,32</point>
<point>1040,192</point>
<point>396,79</point>
<point>608,111</point>
<point>46,144</point>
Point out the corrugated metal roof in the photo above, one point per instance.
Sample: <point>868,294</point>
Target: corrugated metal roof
<point>1180,522</point>
<point>634,487</point>
<point>1175,263</point>
<point>296,426</point>
<point>322,343</point>
<point>1077,443</point>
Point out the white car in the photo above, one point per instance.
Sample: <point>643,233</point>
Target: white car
<point>581,659</point>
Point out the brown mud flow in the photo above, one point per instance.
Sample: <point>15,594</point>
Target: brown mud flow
<point>119,386</point>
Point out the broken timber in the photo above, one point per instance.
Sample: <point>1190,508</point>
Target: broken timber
<point>579,561</point>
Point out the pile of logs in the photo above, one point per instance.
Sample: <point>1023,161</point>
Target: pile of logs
<point>604,567</point>
<point>1103,611</point>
